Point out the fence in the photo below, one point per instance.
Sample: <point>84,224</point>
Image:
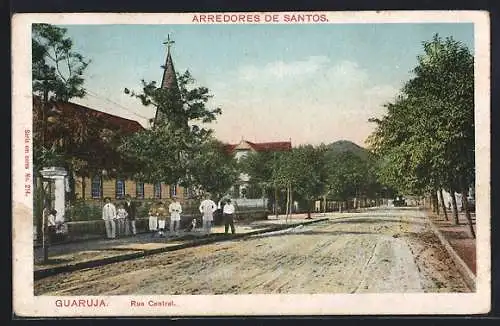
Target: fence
<point>96,228</point>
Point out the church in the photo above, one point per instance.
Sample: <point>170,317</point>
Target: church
<point>98,182</point>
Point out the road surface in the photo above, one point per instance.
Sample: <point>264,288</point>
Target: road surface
<point>378,251</point>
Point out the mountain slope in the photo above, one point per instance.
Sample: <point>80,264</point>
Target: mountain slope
<point>341,146</point>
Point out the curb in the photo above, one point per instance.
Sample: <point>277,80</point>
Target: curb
<point>464,270</point>
<point>42,273</point>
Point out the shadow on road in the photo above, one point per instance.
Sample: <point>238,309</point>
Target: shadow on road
<point>304,233</point>
<point>374,219</point>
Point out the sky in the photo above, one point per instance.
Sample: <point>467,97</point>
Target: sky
<point>310,84</point>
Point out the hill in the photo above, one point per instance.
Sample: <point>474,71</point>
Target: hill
<point>341,146</point>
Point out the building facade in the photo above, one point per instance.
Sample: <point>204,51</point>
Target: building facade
<point>240,191</point>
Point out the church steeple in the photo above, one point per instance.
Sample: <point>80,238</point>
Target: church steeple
<point>169,80</point>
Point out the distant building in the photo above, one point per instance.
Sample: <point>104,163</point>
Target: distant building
<point>242,149</point>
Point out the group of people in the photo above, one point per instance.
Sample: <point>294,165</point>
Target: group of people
<point>117,218</point>
<point>158,216</point>
<point>54,227</point>
<point>208,208</point>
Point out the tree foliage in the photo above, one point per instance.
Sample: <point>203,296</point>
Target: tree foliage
<point>57,76</point>
<point>57,70</point>
<point>211,169</point>
<point>165,152</point>
<point>426,139</point>
<point>314,172</point>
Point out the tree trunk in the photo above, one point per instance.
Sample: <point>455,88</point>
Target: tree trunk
<point>276,201</point>
<point>465,205</point>
<point>287,209</point>
<point>454,205</point>
<point>436,199</point>
<point>39,197</point>
<point>45,240</point>
<point>324,204</point>
<point>83,187</point>
<point>441,198</point>
<point>309,208</point>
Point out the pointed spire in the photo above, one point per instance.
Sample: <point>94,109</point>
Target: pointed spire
<point>169,80</point>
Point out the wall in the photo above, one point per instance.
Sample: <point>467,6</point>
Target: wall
<point>94,228</point>
<point>109,189</point>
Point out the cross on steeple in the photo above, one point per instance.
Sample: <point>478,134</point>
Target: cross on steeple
<point>168,42</point>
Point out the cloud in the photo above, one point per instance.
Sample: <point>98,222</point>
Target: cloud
<point>279,70</point>
<point>312,100</point>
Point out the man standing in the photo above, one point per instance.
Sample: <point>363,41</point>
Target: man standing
<point>175,210</point>
<point>207,208</point>
<point>131,209</point>
<point>121,215</point>
<point>109,216</point>
<point>153,219</point>
<point>161,212</point>
<point>228,211</point>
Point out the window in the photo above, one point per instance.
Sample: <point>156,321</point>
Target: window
<point>173,190</point>
<point>186,193</point>
<point>96,187</point>
<point>157,190</point>
<point>120,189</point>
<point>139,190</point>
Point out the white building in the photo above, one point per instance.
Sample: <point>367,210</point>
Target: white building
<point>242,149</point>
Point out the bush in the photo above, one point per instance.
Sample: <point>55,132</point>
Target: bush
<point>143,208</point>
<point>84,211</point>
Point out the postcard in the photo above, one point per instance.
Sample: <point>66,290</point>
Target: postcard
<point>256,163</point>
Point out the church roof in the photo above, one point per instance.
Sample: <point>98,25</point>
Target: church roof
<point>169,79</point>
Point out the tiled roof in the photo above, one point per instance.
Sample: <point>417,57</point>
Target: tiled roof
<point>230,147</point>
<point>272,146</point>
<point>264,147</point>
<point>109,120</point>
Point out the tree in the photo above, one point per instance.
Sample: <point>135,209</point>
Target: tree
<point>57,70</point>
<point>212,169</point>
<point>57,75</point>
<point>301,170</point>
<point>259,166</point>
<point>426,140</point>
<point>347,175</point>
<point>163,152</point>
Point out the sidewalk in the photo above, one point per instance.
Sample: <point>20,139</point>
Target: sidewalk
<point>458,236</point>
<point>91,253</point>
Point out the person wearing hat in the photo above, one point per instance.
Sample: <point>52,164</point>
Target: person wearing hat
<point>175,210</point>
<point>229,212</point>
<point>109,216</point>
<point>153,219</point>
<point>207,208</point>
<point>161,212</point>
<point>131,208</point>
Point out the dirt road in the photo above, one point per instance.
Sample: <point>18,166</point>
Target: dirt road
<point>390,250</point>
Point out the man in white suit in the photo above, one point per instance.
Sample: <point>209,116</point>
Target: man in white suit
<point>175,210</point>
<point>109,216</point>
<point>207,208</point>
